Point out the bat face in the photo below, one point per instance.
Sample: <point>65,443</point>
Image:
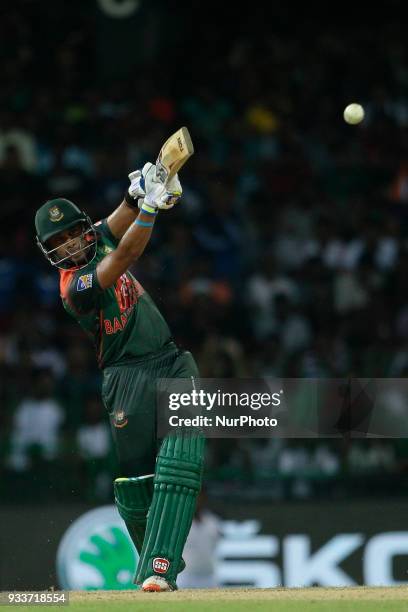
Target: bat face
<point>174,154</point>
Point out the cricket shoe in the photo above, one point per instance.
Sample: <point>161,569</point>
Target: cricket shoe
<point>158,584</point>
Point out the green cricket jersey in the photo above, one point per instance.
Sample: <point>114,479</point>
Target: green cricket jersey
<point>123,320</point>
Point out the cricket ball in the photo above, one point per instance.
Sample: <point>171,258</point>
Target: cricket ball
<point>353,114</point>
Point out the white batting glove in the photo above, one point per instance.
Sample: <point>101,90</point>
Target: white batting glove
<point>172,193</point>
<point>149,191</point>
<point>159,196</point>
<point>136,189</point>
<point>144,189</point>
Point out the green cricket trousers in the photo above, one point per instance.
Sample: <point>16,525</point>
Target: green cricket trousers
<point>129,395</point>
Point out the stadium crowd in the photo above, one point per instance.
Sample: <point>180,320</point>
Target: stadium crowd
<point>287,257</point>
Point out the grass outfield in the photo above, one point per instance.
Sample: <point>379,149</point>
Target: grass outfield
<point>313,599</point>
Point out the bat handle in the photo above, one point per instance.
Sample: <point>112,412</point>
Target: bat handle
<point>161,173</point>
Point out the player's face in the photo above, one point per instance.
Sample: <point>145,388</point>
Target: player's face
<point>68,243</point>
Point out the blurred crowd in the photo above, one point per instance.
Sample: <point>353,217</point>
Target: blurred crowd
<point>287,257</point>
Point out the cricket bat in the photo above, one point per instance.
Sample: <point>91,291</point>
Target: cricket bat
<point>173,155</point>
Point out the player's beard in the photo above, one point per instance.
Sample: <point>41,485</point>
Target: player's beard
<point>79,250</point>
<point>79,259</point>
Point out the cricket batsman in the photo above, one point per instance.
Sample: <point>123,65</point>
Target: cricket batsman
<point>156,494</point>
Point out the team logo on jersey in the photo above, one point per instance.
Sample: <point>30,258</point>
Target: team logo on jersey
<point>119,418</point>
<point>84,282</point>
<point>107,249</point>
<point>160,565</point>
<point>55,214</point>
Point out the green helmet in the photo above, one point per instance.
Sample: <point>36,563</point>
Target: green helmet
<point>56,216</point>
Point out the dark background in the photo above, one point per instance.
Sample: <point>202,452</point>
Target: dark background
<point>287,257</point>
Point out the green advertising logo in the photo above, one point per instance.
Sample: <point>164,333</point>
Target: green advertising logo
<point>96,552</point>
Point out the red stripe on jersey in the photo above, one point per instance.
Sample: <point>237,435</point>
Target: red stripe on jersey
<point>65,281</point>
<point>100,352</point>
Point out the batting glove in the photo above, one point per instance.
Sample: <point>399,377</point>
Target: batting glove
<point>159,196</point>
<point>172,193</point>
<point>136,189</point>
<point>150,193</point>
<point>144,189</point>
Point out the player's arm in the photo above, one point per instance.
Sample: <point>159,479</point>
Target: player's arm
<point>121,219</point>
<point>135,238</point>
<point>125,214</point>
<point>129,249</point>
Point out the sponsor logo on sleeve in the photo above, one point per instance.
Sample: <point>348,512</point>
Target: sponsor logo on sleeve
<point>84,282</point>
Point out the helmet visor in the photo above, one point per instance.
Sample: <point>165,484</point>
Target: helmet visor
<point>75,252</point>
